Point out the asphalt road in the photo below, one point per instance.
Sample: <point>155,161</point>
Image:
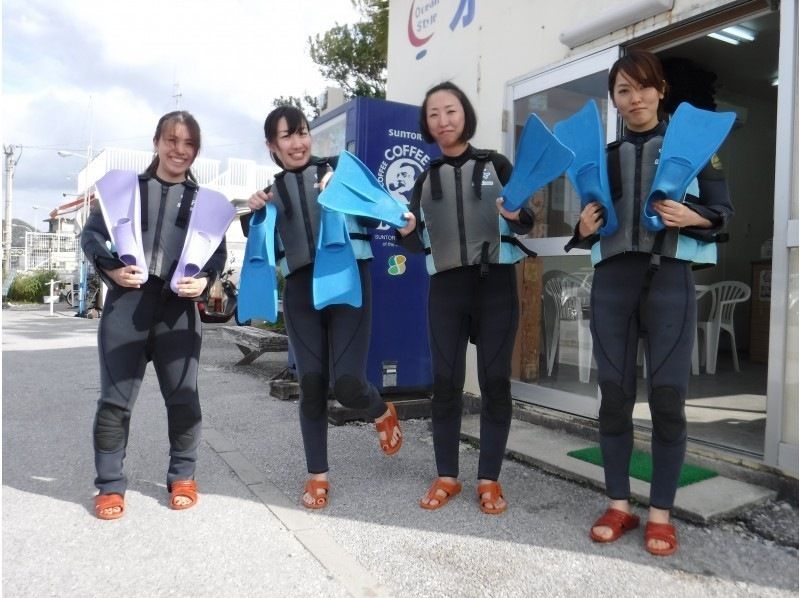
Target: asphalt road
<point>248,536</point>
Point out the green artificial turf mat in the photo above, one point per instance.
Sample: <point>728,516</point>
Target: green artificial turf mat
<point>642,466</point>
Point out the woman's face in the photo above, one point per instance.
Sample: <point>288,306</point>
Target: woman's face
<point>637,105</point>
<point>293,150</point>
<point>176,150</point>
<point>445,117</point>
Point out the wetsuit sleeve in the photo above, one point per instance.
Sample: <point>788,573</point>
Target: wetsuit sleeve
<point>94,240</point>
<point>503,168</point>
<point>714,203</point>
<point>413,241</point>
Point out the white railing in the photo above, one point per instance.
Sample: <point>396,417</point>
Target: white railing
<point>52,251</point>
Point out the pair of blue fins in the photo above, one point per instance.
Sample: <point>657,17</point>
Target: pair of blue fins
<point>692,138</point>
<point>353,190</point>
<point>576,145</point>
<point>118,193</point>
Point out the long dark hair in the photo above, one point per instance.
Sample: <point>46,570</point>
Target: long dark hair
<point>295,121</point>
<point>644,68</point>
<point>470,119</point>
<point>167,123</point>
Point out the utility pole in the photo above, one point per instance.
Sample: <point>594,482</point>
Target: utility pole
<point>10,163</point>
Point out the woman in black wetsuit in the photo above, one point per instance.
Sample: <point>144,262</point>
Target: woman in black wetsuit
<point>331,344</point>
<point>460,222</point>
<point>635,295</point>
<point>148,322</point>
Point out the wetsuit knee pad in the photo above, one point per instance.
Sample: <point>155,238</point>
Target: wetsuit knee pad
<point>616,410</point>
<point>184,424</point>
<point>111,427</point>
<point>314,400</point>
<point>350,392</point>
<point>666,410</point>
<point>496,405</point>
<point>446,402</point>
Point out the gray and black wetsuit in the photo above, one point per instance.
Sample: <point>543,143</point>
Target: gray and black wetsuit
<point>330,345</point>
<point>633,299</point>
<point>473,296</point>
<point>145,324</point>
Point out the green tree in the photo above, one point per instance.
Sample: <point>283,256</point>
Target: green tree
<point>309,105</point>
<point>354,56</point>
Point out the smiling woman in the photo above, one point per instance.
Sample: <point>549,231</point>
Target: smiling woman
<point>149,219</point>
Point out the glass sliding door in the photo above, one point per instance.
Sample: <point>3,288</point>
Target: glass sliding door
<point>566,376</point>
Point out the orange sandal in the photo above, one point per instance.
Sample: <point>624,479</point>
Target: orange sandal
<point>495,491</point>
<point>104,502</point>
<point>664,532</point>
<point>184,489</point>
<point>618,521</point>
<point>387,426</point>
<point>450,490</point>
<point>311,487</point>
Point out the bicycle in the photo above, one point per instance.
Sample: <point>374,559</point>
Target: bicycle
<point>92,290</point>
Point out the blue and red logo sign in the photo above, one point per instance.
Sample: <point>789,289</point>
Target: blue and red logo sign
<point>423,20</point>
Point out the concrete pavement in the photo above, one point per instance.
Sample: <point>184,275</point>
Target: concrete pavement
<point>248,536</point>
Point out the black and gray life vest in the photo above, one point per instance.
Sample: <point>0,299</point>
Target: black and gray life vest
<point>298,217</point>
<point>462,226</point>
<point>631,169</point>
<point>162,205</point>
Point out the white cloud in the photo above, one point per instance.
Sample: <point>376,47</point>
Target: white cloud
<point>105,71</point>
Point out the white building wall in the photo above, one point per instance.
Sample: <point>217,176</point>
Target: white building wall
<point>505,40</point>
<point>483,45</point>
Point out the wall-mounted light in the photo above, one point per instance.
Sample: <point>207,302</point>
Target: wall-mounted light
<point>734,35</point>
<point>611,19</point>
<point>724,38</point>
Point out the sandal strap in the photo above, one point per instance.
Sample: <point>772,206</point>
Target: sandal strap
<point>313,485</point>
<point>108,501</point>
<point>660,531</point>
<point>387,426</point>
<point>493,489</point>
<point>617,520</point>
<point>449,488</point>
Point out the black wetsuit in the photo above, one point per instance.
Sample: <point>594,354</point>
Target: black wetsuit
<point>145,324</point>
<point>330,345</point>
<point>472,296</point>
<point>625,308</point>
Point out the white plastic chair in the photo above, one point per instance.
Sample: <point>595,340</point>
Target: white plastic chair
<point>725,296</point>
<point>564,298</point>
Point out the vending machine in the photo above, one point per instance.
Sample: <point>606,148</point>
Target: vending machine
<point>385,136</point>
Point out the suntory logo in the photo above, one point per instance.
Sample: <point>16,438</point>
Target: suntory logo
<point>397,265</point>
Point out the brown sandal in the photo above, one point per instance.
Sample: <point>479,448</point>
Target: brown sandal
<point>387,426</point>
<point>618,521</point>
<point>311,487</point>
<point>664,532</point>
<point>105,502</point>
<point>184,489</point>
<point>495,491</point>
<point>450,490</point>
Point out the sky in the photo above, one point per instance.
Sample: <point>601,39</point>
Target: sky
<point>102,73</point>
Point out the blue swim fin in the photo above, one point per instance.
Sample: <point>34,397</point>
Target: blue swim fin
<point>336,278</point>
<point>258,290</point>
<point>211,216</point>
<point>541,158</point>
<point>693,135</point>
<point>583,133</point>
<point>355,190</point>
<point>118,192</point>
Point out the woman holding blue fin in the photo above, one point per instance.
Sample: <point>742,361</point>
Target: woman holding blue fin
<point>155,274</point>
<point>643,285</point>
<point>330,340</point>
<point>462,226</point>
